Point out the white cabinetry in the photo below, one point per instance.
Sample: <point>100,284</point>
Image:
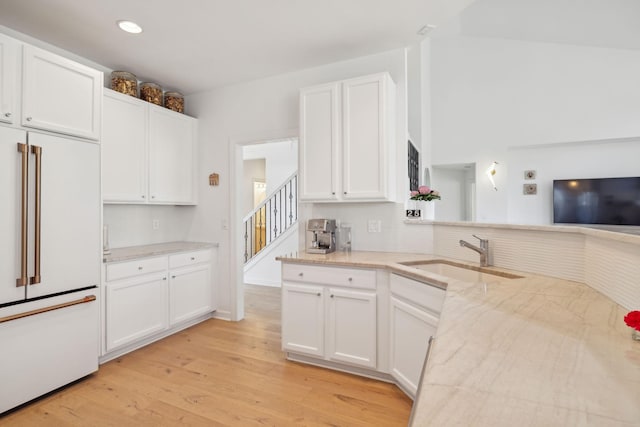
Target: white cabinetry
<point>149,153</point>
<point>352,327</point>
<point>303,319</point>
<point>415,310</point>
<point>55,93</point>
<point>149,298</point>
<point>330,313</point>
<point>346,140</point>
<point>8,78</point>
<point>171,156</point>
<point>124,149</point>
<point>60,95</point>
<point>190,291</point>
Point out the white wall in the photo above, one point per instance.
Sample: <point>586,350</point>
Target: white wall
<point>598,159</point>
<point>131,225</point>
<point>281,160</point>
<point>490,96</point>
<point>254,171</point>
<point>257,111</point>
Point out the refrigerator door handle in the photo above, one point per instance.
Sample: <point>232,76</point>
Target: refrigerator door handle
<point>22,280</point>
<point>35,279</point>
<point>84,300</point>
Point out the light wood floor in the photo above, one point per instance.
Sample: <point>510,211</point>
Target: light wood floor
<point>218,373</point>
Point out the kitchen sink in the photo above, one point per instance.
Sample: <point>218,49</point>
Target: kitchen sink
<point>467,273</point>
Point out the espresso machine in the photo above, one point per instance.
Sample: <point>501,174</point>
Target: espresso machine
<point>321,236</point>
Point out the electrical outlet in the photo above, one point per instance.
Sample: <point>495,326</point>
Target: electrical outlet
<point>224,224</point>
<point>155,224</point>
<point>374,226</point>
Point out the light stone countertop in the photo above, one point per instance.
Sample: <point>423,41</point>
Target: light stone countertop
<point>534,351</point>
<point>144,251</point>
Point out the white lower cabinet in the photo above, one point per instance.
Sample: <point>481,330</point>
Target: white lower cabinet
<point>303,319</point>
<point>414,315</point>
<point>352,327</point>
<point>136,308</point>
<point>190,293</point>
<point>367,322</point>
<point>335,324</point>
<point>148,298</point>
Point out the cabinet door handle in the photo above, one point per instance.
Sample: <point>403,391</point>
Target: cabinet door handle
<point>29,118</point>
<point>153,197</point>
<point>7,114</point>
<point>344,192</point>
<point>173,277</point>
<point>318,294</point>
<point>164,278</point>
<point>139,268</point>
<point>300,274</point>
<point>333,193</point>
<point>143,196</point>
<point>331,295</point>
<point>351,279</point>
<point>193,259</point>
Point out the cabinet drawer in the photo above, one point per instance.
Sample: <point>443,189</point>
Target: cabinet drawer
<point>125,269</point>
<point>189,258</point>
<point>418,293</point>
<point>336,276</point>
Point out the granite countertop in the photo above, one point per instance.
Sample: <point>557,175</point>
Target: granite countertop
<point>536,351</point>
<point>144,251</point>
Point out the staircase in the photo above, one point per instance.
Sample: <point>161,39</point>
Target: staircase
<point>271,218</point>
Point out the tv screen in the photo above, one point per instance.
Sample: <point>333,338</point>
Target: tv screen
<point>611,201</point>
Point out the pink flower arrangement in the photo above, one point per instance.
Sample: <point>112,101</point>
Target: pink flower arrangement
<point>632,319</point>
<point>424,193</point>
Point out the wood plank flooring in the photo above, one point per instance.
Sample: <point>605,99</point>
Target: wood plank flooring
<point>218,373</point>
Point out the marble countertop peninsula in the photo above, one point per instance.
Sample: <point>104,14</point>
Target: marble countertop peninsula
<point>534,351</point>
<point>144,251</point>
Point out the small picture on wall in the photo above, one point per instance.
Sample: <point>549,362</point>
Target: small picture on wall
<point>530,189</point>
<point>530,174</point>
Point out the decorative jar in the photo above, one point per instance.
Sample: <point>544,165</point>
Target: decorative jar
<point>124,82</point>
<point>174,101</point>
<point>151,92</point>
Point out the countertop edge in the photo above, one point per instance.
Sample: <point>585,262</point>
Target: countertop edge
<point>156,249</point>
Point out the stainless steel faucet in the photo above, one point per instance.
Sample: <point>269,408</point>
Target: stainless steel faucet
<point>483,250</point>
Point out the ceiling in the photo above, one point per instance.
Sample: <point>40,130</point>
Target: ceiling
<point>195,45</point>
<point>599,23</point>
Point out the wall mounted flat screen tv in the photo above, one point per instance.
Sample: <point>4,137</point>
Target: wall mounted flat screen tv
<point>610,201</point>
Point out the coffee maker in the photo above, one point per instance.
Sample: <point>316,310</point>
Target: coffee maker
<point>321,236</point>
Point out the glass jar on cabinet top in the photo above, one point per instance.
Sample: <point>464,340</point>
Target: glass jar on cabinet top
<point>151,92</point>
<point>124,82</point>
<point>174,101</point>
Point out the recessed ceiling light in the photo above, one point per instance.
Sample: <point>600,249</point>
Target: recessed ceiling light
<point>425,29</point>
<point>130,27</point>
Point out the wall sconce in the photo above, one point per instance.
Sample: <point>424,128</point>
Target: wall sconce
<point>490,173</point>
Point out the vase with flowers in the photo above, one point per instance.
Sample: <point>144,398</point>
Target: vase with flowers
<point>632,319</point>
<point>424,194</point>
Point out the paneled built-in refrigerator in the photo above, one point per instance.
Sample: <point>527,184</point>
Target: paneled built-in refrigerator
<point>50,256</point>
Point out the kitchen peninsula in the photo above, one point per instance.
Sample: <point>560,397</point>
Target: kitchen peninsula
<point>535,349</point>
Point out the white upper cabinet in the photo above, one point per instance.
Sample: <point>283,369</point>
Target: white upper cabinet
<point>171,156</point>
<point>347,145</point>
<point>148,153</point>
<point>8,78</point>
<point>319,142</point>
<point>124,149</point>
<point>60,95</point>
